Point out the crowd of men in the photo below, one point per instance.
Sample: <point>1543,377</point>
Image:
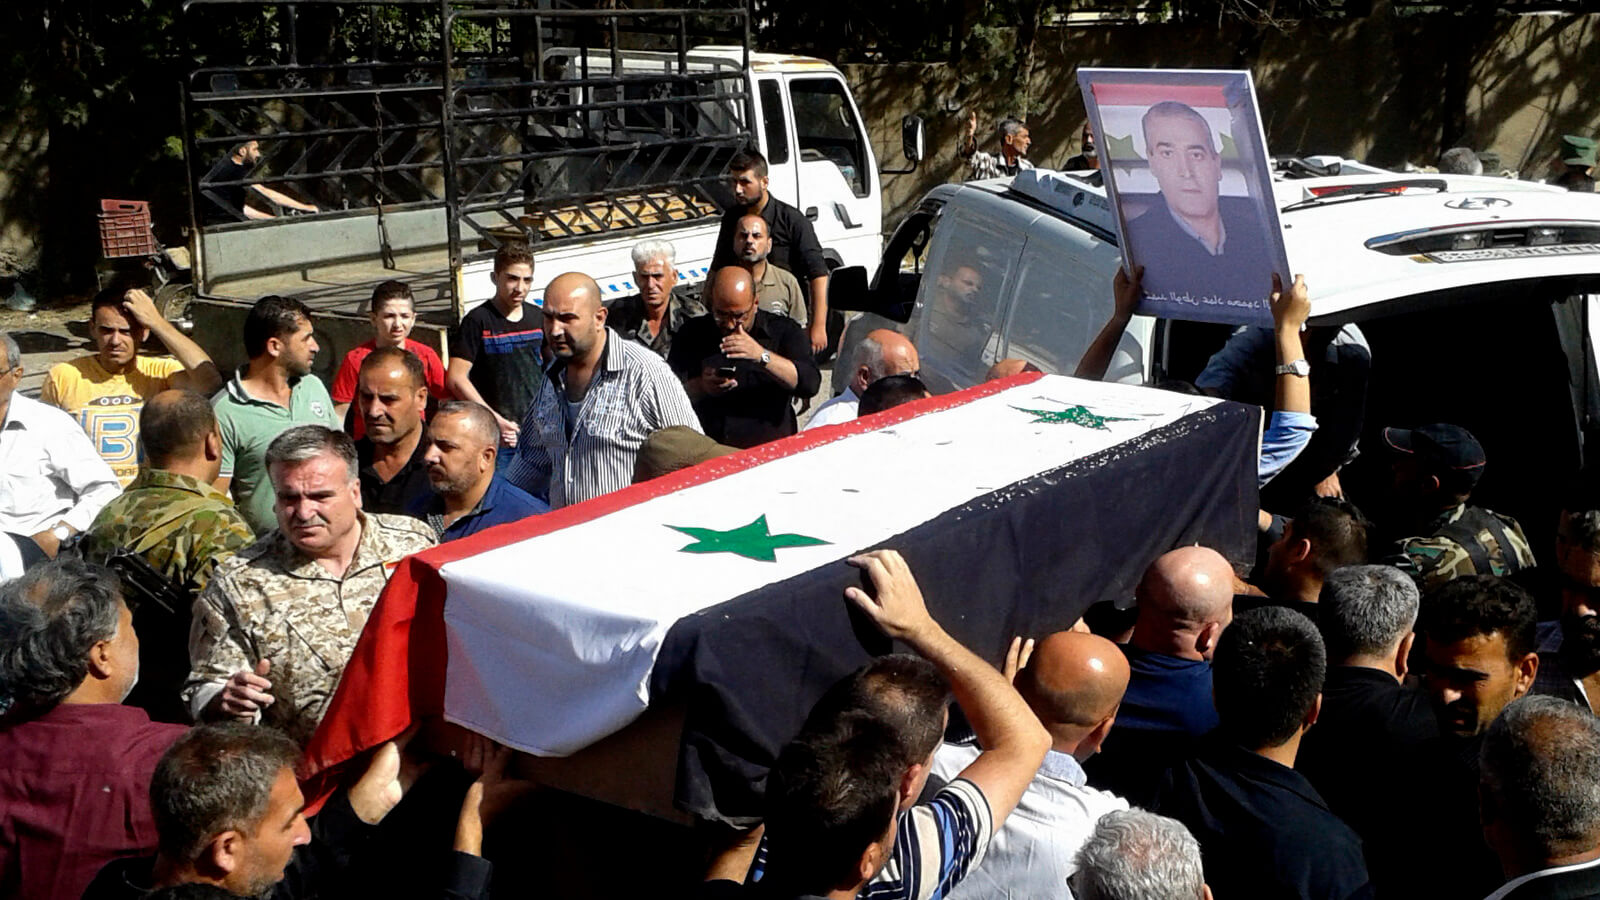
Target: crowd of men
<point>1367,709</point>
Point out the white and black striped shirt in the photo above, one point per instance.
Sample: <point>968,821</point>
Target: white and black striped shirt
<point>633,395</point>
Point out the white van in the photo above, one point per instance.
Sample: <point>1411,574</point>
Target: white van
<point>1479,298</point>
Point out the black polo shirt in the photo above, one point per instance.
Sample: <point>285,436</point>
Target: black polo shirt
<point>1362,756</point>
<point>794,241</point>
<point>1441,812</point>
<point>397,494</point>
<point>1264,831</point>
<point>759,409</point>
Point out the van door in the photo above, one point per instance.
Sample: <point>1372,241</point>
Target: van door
<point>772,118</point>
<point>837,174</point>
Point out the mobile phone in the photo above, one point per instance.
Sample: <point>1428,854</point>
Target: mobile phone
<point>726,371</point>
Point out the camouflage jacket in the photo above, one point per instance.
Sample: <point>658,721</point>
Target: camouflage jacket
<point>272,602</point>
<point>1442,556</point>
<point>182,526</point>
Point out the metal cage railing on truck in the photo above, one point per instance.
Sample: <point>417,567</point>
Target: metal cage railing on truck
<point>433,131</point>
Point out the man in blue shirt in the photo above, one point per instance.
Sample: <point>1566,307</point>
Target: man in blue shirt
<point>462,443</point>
<point>1185,601</point>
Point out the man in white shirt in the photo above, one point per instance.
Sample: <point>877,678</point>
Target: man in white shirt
<point>1073,683</point>
<point>881,353</point>
<point>52,482</point>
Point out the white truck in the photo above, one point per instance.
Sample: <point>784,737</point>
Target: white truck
<point>580,131</point>
<point>804,120</point>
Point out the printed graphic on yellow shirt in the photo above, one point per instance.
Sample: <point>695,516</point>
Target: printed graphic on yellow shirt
<point>107,405</point>
<point>112,423</point>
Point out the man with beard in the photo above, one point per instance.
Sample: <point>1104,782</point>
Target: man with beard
<point>1569,658</point>
<point>601,397</point>
<point>468,494</point>
<point>1478,634</point>
<point>272,392</point>
<point>1435,469</point>
<point>776,290</point>
<point>794,240</point>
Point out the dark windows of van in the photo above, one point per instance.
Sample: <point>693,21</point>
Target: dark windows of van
<point>772,124</point>
<point>900,274</point>
<point>827,130</point>
<point>960,300</point>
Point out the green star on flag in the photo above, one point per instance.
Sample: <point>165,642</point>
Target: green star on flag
<point>1077,415</point>
<point>751,541</point>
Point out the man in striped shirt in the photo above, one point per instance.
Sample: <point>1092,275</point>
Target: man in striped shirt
<point>938,842</point>
<point>599,401</point>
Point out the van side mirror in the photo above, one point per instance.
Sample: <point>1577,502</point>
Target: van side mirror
<point>847,289</point>
<point>913,144</point>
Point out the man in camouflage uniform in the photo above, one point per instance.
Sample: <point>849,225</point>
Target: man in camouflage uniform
<point>1435,469</point>
<point>278,622</point>
<point>180,525</point>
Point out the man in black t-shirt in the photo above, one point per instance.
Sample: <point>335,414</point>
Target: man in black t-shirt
<point>497,358</point>
<point>229,203</point>
<point>794,241</point>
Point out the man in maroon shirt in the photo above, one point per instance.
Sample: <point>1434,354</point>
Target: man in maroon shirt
<point>75,764</point>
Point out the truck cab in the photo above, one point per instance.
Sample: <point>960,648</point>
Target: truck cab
<point>580,132</point>
<point>799,113</point>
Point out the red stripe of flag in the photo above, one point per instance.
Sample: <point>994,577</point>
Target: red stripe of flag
<point>396,674</point>
<point>1125,94</point>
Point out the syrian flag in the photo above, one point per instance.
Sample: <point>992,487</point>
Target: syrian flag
<point>1018,503</point>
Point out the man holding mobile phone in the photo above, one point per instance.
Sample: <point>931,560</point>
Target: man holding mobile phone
<point>743,366</point>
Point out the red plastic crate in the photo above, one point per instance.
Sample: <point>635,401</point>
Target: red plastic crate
<point>125,229</point>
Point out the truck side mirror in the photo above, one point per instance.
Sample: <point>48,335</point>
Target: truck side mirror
<point>913,143</point>
<point>913,138</point>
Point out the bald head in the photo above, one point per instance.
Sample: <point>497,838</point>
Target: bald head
<point>881,353</point>
<point>1074,683</point>
<point>1185,600</point>
<point>174,425</point>
<point>574,318</point>
<point>733,298</point>
<point>1006,368</point>
<point>576,289</point>
<point>476,421</point>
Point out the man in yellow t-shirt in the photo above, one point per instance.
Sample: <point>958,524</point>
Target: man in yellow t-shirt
<point>106,391</point>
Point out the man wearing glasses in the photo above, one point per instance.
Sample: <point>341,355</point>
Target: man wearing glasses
<point>743,366</point>
<point>794,241</point>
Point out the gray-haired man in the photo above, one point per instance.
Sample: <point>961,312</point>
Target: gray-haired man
<point>1539,795</point>
<point>1360,755</point>
<point>655,314</point>
<point>1138,855</point>
<point>880,354</point>
<point>275,626</point>
<point>74,788</point>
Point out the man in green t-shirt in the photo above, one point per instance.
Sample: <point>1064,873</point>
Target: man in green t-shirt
<point>271,393</point>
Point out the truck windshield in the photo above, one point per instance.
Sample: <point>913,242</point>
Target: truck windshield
<point>826,129</point>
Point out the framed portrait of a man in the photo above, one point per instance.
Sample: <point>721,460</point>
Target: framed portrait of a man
<point>1188,175</point>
